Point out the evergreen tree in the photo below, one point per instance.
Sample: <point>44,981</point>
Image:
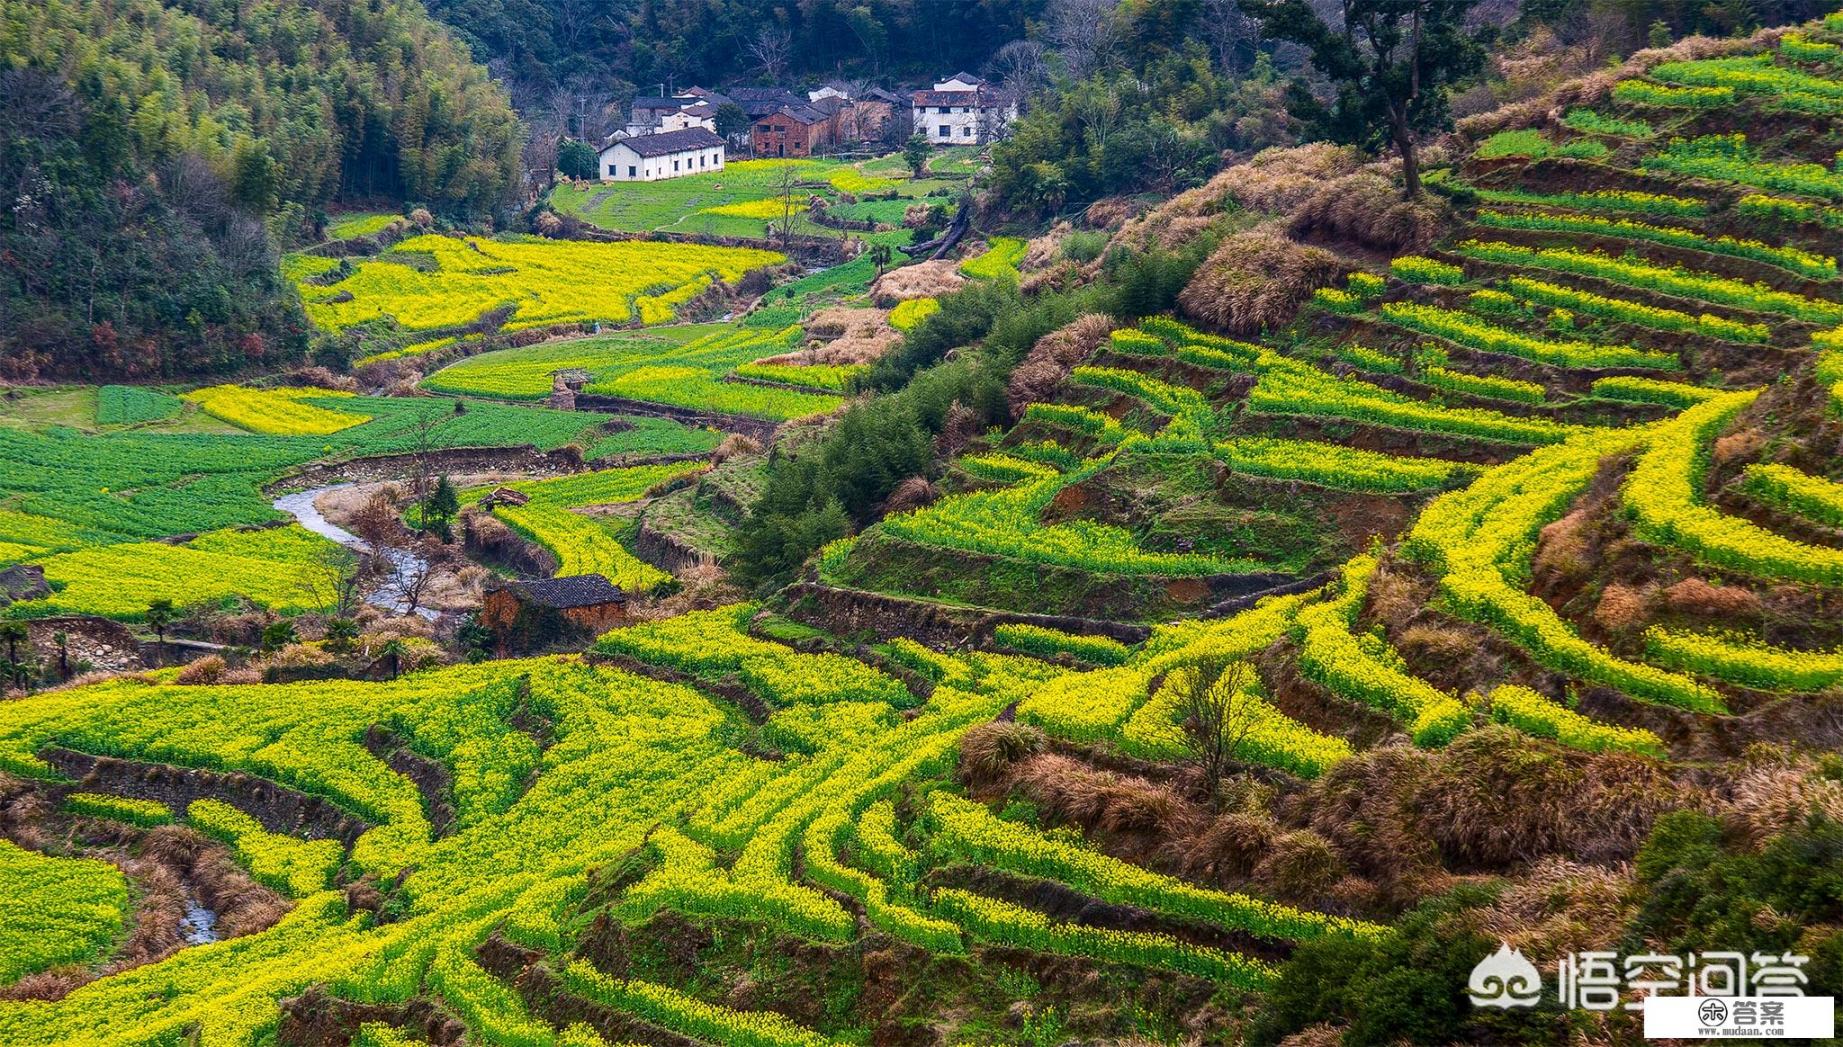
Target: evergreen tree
<point>1390,63</point>
<point>577,159</point>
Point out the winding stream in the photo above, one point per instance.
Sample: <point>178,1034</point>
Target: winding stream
<point>403,563</point>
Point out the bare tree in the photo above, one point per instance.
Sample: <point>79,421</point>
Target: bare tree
<point>330,582</point>
<point>1220,711</point>
<point>376,521</point>
<point>412,573</point>
<point>571,20</point>
<point>1082,32</point>
<point>1232,35</point>
<point>784,225</point>
<point>771,49</point>
<point>1019,69</point>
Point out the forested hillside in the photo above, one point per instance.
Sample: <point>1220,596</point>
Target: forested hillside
<point>157,152</point>
<point>611,46</point>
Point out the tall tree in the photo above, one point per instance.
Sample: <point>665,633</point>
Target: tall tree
<point>1390,63</point>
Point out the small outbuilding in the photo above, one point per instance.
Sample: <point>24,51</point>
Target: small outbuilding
<point>548,612</point>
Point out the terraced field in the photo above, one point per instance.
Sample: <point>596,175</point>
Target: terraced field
<point>92,509</point>
<point>441,285</point>
<point>690,375</point>
<point>1544,521</point>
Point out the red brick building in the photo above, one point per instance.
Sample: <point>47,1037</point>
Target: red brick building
<point>793,131</point>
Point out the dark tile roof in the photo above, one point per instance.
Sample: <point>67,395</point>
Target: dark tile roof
<point>758,102</point>
<point>805,114</point>
<point>577,590</point>
<point>879,94</point>
<point>659,102</point>
<point>980,97</point>
<point>671,142</point>
<point>965,78</point>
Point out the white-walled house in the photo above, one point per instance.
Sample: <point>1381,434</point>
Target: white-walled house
<point>648,158</point>
<point>962,110</point>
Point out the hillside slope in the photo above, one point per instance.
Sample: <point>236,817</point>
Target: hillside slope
<point>157,149</point>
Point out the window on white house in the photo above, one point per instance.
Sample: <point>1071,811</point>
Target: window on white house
<point>610,170</point>
<point>630,171</point>
<point>966,132</point>
<point>946,132</point>
<point>675,165</point>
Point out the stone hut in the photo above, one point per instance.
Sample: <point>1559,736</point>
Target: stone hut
<point>552,612</point>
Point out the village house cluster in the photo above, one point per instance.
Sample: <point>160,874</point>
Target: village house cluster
<point>667,136</point>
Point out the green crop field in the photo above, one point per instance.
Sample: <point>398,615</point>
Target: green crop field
<point>87,507</point>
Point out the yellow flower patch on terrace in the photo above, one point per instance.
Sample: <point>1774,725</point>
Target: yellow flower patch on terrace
<point>275,412</point>
<point>766,210</point>
<point>431,283</point>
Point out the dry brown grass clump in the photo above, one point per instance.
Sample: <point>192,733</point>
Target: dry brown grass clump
<point>1621,608</point>
<point>1367,209</point>
<point>704,587</point>
<point>735,445</point>
<point>910,495</point>
<point>1492,801</point>
<point>206,670</point>
<point>1559,906</point>
<point>1696,596</point>
<point>1743,445</point>
<point>318,377</point>
<point>1774,798</point>
<point>1277,180</point>
<point>1256,281</point>
<point>842,336</point>
<point>921,280</point>
<point>1067,790</point>
<point>838,320</point>
<point>988,751</point>
<point>1109,212</point>
<point>1051,359</point>
<point>1564,547</point>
